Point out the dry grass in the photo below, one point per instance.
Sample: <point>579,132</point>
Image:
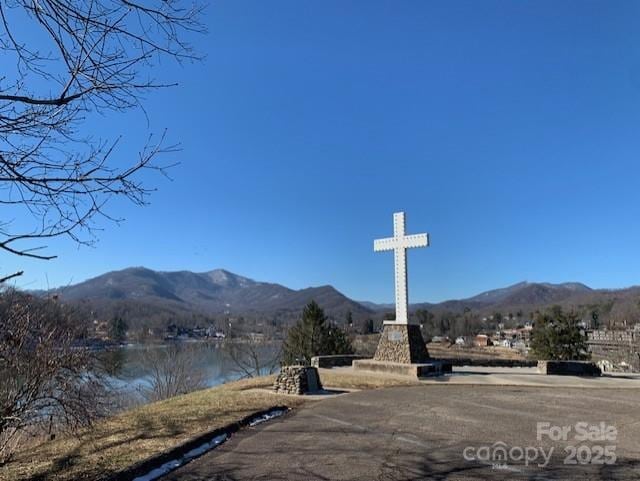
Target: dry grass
<point>132,436</point>
<point>366,346</point>
<point>442,351</point>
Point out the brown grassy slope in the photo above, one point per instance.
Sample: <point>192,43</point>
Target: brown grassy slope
<point>134,435</point>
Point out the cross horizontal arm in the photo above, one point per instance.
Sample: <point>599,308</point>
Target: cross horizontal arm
<point>391,243</point>
<point>415,240</point>
<point>387,244</point>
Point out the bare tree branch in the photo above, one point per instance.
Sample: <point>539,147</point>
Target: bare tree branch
<point>252,356</point>
<point>10,276</point>
<point>173,371</point>
<point>47,382</point>
<point>99,54</point>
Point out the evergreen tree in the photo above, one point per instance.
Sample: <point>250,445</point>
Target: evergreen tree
<point>338,342</point>
<point>312,336</point>
<point>369,327</point>
<point>349,319</point>
<point>557,336</point>
<point>389,316</point>
<point>426,318</point>
<point>118,329</point>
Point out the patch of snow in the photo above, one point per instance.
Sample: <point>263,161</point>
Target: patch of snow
<point>202,449</point>
<point>266,417</point>
<point>176,463</point>
<point>161,471</point>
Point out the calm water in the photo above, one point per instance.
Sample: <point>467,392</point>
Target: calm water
<point>129,366</point>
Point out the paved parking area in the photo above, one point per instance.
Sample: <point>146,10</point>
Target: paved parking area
<point>439,432</point>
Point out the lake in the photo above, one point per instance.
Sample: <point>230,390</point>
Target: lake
<point>130,367</point>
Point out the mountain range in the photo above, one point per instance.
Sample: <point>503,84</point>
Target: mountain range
<point>222,292</point>
<point>214,292</point>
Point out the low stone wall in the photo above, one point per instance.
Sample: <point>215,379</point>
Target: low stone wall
<point>297,380</point>
<point>569,368</point>
<point>335,360</point>
<point>462,361</point>
<point>620,348</point>
<point>415,370</point>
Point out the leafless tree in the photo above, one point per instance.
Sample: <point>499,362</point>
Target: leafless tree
<point>46,381</point>
<point>66,63</point>
<point>174,370</point>
<point>252,356</point>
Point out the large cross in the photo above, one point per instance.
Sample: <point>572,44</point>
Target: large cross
<point>399,244</point>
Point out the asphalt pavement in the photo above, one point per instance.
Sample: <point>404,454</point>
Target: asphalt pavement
<point>439,432</point>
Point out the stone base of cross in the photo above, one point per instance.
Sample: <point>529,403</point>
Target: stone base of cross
<point>401,341</point>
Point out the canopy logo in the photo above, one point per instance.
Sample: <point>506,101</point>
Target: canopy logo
<point>499,455</point>
<point>590,444</point>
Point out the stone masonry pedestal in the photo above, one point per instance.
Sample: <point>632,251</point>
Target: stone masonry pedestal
<point>401,343</point>
<point>402,352</point>
<point>297,380</point>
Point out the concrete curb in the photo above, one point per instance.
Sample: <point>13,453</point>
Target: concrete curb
<point>142,467</point>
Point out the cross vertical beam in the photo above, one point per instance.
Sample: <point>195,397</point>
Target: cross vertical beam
<point>401,274</point>
<point>399,244</point>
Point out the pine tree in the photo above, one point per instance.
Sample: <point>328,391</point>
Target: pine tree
<point>369,327</point>
<point>557,336</point>
<point>118,329</point>
<point>349,319</point>
<point>338,342</point>
<point>312,336</point>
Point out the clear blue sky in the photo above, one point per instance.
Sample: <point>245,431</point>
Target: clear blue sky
<point>509,130</point>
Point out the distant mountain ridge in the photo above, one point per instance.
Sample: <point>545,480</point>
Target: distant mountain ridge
<point>522,293</point>
<point>525,293</point>
<point>532,289</point>
<point>222,292</point>
<point>620,305</point>
<point>217,291</point>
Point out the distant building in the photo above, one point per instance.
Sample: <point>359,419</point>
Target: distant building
<point>101,329</point>
<point>482,340</point>
<point>441,339</point>
<point>257,336</point>
<point>199,331</point>
<point>215,333</point>
<point>155,332</point>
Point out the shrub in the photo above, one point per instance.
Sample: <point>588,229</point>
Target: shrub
<point>312,336</point>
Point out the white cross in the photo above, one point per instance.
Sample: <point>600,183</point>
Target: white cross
<point>399,244</point>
